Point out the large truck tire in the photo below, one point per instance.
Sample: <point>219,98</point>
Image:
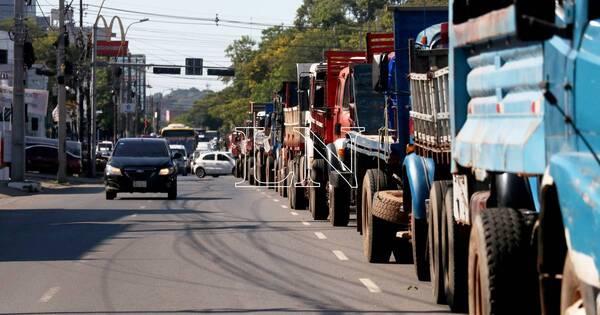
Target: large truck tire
<point>387,205</point>
<point>419,240</point>
<point>339,204</point>
<point>284,173</point>
<point>455,253</point>
<point>318,208</point>
<point>502,274</point>
<point>270,172</point>
<point>296,198</point>
<point>434,220</point>
<point>378,234</point>
<point>383,185</point>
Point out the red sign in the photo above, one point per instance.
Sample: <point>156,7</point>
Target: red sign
<point>112,48</point>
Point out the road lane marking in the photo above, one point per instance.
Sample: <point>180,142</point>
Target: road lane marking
<point>49,295</point>
<point>276,200</point>
<point>320,236</point>
<point>305,223</point>
<point>284,206</point>
<point>340,255</point>
<point>371,286</point>
<point>142,207</point>
<point>134,215</point>
<point>294,213</point>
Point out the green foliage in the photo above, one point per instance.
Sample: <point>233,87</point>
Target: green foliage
<point>261,67</point>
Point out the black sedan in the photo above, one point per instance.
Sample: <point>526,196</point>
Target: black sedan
<point>141,165</point>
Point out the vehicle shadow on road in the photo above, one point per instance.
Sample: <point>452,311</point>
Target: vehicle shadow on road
<point>62,234</point>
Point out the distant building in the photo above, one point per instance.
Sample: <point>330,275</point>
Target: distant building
<point>7,9</point>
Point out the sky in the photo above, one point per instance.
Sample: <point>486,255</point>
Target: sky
<point>169,40</point>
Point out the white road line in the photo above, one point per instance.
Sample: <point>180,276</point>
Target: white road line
<point>305,223</point>
<point>371,286</point>
<point>142,207</point>
<point>284,206</point>
<point>340,255</point>
<point>320,236</point>
<point>276,200</point>
<point>294,213</point>
<point>49,295</point>
<point>134,215</point>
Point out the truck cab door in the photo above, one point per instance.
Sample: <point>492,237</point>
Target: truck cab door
<point>345,119</point>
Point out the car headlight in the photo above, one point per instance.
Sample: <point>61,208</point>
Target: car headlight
<point>111,170</point>
<point>166,171</point>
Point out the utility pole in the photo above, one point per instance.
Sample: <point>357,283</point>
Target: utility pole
<point>62,110</point>
<point>18,111</point>
<point>93,107</point>
<point>127,130</point>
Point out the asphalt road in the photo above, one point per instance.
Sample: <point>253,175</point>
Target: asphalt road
<point>217,249</point>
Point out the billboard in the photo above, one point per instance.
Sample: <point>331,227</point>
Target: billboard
<point>112,48</point>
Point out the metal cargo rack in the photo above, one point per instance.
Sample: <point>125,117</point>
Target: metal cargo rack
<point>431,113</point>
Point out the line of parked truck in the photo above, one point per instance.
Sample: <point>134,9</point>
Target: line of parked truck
<point>465,141</point>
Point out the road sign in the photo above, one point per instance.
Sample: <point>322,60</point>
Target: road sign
<point>225,72</point>
<point>127,108</point>
<point>193,66</point>
<point>112,48</point>
<point>165,70</point>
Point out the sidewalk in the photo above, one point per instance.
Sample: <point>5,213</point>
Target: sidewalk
<point>48,183</point>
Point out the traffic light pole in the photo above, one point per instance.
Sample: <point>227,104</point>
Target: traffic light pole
<point>17,167</point>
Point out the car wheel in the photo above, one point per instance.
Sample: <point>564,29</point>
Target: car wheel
<point>200,172</point>
<point>111,194</point>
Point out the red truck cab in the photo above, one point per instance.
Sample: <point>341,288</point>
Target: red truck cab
<point>329,84</point>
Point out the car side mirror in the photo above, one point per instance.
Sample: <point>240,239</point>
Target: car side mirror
<point>177,156</point>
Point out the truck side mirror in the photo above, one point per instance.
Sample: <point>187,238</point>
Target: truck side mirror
<point>535,20</point>
<point>304,83</point>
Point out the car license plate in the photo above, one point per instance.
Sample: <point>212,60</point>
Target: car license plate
<point>139,184</point>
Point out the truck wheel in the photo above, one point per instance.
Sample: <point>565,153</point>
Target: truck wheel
<point>284,173</point>
<point>383,185</point>
<point>270,173</point>
<point>317,195</point>
<point>378,234</point>
<point>290,185</point>
<point>571,295</point>
<point>418,232</point>
<point>339,206</point>
<point>387,205</point>
<point>434,218</point>
<point>111,194</point>
<point>455,258</point>
<point>502,271</point>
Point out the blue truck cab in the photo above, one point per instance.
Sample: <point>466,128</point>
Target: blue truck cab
<point>524,197</point>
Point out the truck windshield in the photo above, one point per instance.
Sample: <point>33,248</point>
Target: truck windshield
<point>369,104</point>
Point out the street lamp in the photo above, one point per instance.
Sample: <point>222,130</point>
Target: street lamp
<point>124,38</point>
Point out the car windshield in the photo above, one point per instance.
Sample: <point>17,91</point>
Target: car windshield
<point>180,151</point>
<point>141,149</point>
